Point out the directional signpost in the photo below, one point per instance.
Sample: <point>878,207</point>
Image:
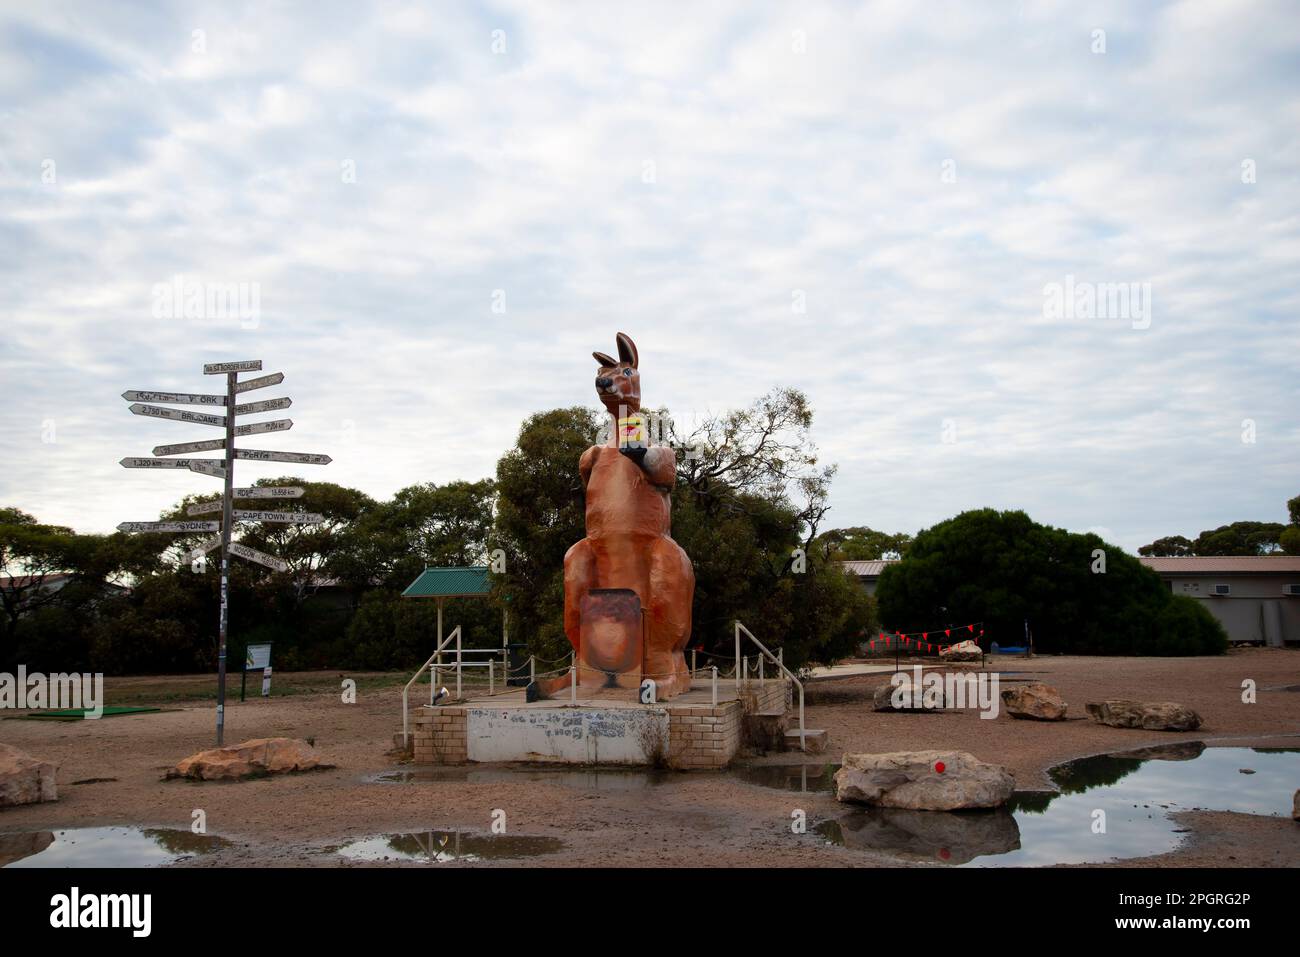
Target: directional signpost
<point>153,404</point>
<point>270,492</point>
<point>167,526</point>
<point>180,415</point>
<point>183,448</point>
<point>275,425</point>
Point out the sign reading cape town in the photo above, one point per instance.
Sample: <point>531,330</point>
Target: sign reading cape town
<point>151,403</point>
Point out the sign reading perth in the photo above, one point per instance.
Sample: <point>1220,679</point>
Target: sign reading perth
<point>224,469</point>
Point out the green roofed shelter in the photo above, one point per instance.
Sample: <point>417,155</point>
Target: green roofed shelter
<point>464,581</point>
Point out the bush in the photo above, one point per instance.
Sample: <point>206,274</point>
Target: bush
<point>1185,627</point>
<point>1001,568</point>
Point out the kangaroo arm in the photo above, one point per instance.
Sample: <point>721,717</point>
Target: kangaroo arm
<point>586,463</point>
<point>660,465</point>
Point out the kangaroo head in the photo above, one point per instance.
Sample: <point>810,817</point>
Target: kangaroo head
<point>618,383</point>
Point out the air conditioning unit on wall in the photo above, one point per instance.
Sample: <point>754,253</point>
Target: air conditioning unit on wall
<point>1291,590</point>
<point>1221,590</point>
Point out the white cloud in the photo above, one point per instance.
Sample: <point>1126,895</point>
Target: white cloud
<point>774,171</point>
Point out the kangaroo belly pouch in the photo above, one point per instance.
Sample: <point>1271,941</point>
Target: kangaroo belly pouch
<point>611,646</point>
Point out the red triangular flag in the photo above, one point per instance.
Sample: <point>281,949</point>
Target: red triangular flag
<point>948,632</point>
<point>970,628</point>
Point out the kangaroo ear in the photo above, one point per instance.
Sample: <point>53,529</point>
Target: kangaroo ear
<point>604,360</point>
<point>627,348</point>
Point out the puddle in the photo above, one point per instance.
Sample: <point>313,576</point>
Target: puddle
<point>804,778</point>
<point>586,779</point>
<point>1137,790</point>
<point>442,847</point>
<point>104,847</point>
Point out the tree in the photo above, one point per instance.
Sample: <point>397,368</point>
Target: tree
<point>540,513</point>
<point>423,526</point>
<point>764,451</point>
<point>1240,538</point>
<point>865,544</point>
<point>1172,546</point>
<point>1001,568</point>
<point>1290,537</point>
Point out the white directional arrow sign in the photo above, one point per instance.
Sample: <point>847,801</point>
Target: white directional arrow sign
<point>301,518</point>
<point>302,458</point>
<point>271,491</point>
<point>264,405</point>
<point>245,365</point>
<point>274,425</point>
<point>178,415</point>
<point>168,526</point>
<point>253,555</point>
<point>203,549</point>
<point>261,382</point>
<point>204,508</point>
<point>177,398</point>
<point>143,462</point>
<point>212,467</point>
<point>184,448</point>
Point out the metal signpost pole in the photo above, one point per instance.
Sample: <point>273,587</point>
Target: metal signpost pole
<point>227,499</point>
<point>224,470</point>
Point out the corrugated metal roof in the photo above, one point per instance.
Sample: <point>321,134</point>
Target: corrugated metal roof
<point>1225,564</point>
<point>867,569</point>
<point>468,582</point>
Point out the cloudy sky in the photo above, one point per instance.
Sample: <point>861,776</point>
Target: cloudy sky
<point>442,209</point>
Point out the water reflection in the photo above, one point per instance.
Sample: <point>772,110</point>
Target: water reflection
<point>104,847</point>
<point>1112,806</point>
<point>441,847</point>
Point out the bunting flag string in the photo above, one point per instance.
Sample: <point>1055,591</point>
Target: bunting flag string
<point>920,640</point>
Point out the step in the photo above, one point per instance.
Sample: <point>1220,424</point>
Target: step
<point>815,740</point>
<point>765,730</point>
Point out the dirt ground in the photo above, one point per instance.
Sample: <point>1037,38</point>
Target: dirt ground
<point>682,819</point>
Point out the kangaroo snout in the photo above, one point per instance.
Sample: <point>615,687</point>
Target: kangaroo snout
<point>603,383</point>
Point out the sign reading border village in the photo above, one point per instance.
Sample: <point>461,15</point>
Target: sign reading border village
<point>223,469</point>
<point>245,365</point>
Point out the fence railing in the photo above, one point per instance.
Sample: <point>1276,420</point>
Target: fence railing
<point>433,683</point>
<point>742,670</point>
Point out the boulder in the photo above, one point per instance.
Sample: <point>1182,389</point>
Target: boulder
<point>1182,751</point>
<point>255,758</point>
<point>1037,701</point>
<point>912,780</point>
<point>1295,806</point>
<point>913,699</point>
<point>926,837</point>
<point>962,651</point>
<point>1147,715</point>
<point>14,847</point>
<point>25,779</point>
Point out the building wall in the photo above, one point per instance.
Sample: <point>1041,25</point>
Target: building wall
<point>1257,609</point>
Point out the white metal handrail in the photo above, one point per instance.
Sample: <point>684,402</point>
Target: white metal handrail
<point>406,715</point>
<point>780,663</point>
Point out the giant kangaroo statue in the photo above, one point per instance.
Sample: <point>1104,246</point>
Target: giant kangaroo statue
<point>629,550</point>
